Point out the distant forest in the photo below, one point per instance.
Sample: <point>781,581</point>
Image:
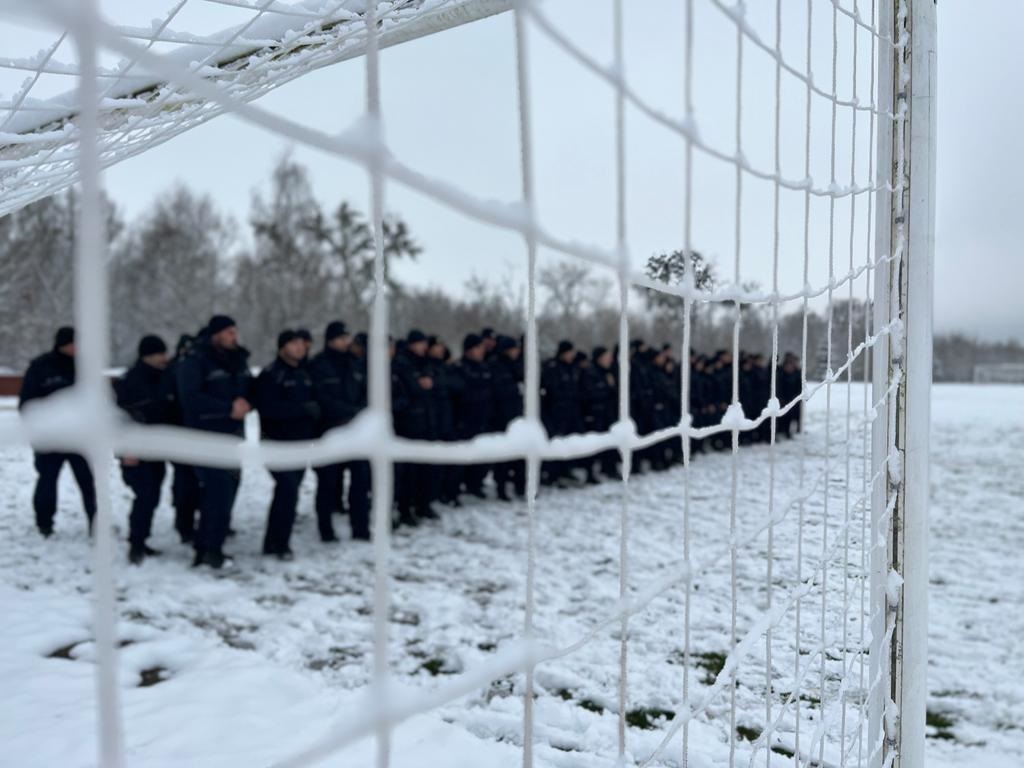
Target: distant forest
<point>305,263</point>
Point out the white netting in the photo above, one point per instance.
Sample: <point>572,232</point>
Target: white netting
<point>814,642</point>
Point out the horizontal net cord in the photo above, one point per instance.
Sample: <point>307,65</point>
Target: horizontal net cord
<point>688,129</point>
<point>45,426</point>
<point>529,653</point>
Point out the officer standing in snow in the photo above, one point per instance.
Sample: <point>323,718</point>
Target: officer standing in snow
<point>339,383</point>
<point>507,367</point>
<point>415,485</point>
<point>185,483</point>
<point>288,411</point>
<point>51,372</point>
<point>142,394</point>
<point>560,404</point>
<point>474,404</point>
<point>215,389</point>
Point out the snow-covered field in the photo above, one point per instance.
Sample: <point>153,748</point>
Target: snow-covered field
<point>245,668</point>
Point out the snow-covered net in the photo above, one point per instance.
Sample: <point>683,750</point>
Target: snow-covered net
<point>814,643</point>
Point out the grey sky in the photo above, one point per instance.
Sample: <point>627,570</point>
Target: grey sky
<point>450,111</point>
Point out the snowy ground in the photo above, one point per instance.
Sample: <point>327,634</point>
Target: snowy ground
<point>244,669</point>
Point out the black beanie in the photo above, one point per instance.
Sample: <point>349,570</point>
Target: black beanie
<point>335,328</point>
<point>285,336</point>
<point>598,351</point>
<point>505,342</point>
<point>487,333</point>
<point>471,341</point>
<point>151,345</point>
<point>304,334</point>
<point>65,335</point>
<point>361,339</point>
<point>218,323</point>
<point>564,346</point>
<point>415,335</point>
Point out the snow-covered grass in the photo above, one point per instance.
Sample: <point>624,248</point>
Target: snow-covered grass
<point>244,668</point>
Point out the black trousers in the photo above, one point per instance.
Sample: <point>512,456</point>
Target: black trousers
<point>217,490</point>
<point>48,466</point>
<point>185,498</point>
<point>145,479</point>
<point>282,511</point>
<point>511,472</point>
<point>330,488</point>
<point>416,485</point>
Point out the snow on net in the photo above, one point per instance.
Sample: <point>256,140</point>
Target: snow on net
<point>168,80</point>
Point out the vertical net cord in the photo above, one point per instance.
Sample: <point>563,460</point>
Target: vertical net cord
<point>849,405</point>
<point>624,285</point>
<point>774,404</point>
<point>734,458</point>
<point>866,443</point>
<point>380,398</point>
<point>532,374</point>
<point>684,357</point>
<point>797,676</point>
<point>91,313</point>
<point>828,390</point>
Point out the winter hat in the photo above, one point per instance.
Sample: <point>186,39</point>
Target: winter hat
<point>415,335</point>
<point>65,335</point>
<point>564,346</point>
<point>218,323</point>
<point>580,357</point>
<point>472,341</point>
<point>285,336</point>
<point>335,328</point>
<point>151,345</point>
<point>431,340</point>
<point>598,351</point>
<point>505,342</point>
<point>487,333</point>
<point>304,334</point>
<point>360,339</point>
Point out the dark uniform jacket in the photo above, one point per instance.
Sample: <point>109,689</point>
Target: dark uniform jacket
<point>410,402</point>
<point>209,380</point>
<point>442,404</point>
<point>143,394</point>
<point>507,375</point>
<point>331,372</point>
<point>48,373</point>
<point>560,397</point>
<point>285,400</point>
<point>600,399</point>
<point>475,401</point>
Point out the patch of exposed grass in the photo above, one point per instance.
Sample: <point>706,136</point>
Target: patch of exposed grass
<point>648,718</point>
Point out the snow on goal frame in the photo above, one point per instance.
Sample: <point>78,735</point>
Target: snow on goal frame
<point>869,713</point>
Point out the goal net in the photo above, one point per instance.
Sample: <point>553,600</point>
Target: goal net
<point>783,624</point>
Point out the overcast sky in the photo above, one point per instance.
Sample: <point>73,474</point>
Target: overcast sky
<point>450,110</point>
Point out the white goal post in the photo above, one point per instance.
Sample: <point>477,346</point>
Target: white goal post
<point>865,695</point>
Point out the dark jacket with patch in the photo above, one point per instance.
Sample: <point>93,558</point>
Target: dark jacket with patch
<point>286,402</point>
<point>143,394</point>
<point>209,380</point>
<point>331,371</point>
<point>50,372</point>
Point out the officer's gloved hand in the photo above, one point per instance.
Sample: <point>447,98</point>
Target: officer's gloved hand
<point>312,409</point>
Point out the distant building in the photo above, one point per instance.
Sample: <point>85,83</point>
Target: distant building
<point>999,373</point>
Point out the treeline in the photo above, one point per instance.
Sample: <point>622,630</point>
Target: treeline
<point>303,263</point>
